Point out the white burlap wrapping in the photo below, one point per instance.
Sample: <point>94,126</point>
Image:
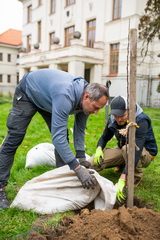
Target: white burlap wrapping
<point>60,190</point>
<point>42,154</point>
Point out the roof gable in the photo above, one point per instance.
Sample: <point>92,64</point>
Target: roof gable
<point>11,37</point>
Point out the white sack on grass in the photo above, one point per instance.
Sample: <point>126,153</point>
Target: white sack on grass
<point>42,154</point>
<point>60,190</point>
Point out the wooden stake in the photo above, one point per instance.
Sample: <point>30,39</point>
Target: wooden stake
<point>132,111</point>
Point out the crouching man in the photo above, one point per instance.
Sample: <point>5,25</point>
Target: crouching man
<point>113,157</point>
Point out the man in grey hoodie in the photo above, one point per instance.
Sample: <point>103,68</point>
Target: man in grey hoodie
<point>113,157</point>
<point>55,95</point>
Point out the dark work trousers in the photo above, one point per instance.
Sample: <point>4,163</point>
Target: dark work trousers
<point>18,120</point>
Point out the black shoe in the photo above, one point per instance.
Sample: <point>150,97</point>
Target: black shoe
<point>137,181</point>
<point>3,199</point>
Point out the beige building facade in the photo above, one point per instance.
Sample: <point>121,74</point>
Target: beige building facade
<point>10,42</point>
<point>88,38</point>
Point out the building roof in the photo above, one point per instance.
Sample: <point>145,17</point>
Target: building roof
<point>11,37</point>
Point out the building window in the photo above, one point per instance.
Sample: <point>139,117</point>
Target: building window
<point>39,3</point>
<point>17,59</point>
<point>28,43</point>
<point>70,2</point>
<point>91,33</point>
<point>51,39</point>
<point>114,55</point>
<point>39,31</point>
<point>69,35</point>
<point>9,78</point>
<point>1,56</point>
<point>9,57</point>
<point>117,6</point>
<point>29,14</point>
<point>52,6</point>
<point>1,78</point>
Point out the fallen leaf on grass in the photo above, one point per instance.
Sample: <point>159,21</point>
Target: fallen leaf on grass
<point>17,189</point>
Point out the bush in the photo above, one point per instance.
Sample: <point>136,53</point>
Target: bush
<point>5,98</point>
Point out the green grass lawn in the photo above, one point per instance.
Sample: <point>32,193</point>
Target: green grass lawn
<point>15,222</point>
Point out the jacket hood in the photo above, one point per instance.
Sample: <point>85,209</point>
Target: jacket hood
<point>79,84</point>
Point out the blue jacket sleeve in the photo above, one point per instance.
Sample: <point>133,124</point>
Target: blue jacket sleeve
<point>106,136</point>
<point>79,133</point>
<point>140,137</point>
<point>60,113</point>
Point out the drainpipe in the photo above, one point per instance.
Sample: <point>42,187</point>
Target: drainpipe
<point>149,90</point>
<point>150,78</point>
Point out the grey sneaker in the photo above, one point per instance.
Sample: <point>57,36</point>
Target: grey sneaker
<point>3,199</point>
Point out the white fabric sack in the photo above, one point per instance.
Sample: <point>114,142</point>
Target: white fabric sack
<point>60,190</point>
<point>42,154</point>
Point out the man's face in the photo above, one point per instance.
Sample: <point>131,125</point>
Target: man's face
<point>121,120</point>
<point>90,107</point>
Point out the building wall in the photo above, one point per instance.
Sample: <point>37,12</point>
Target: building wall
<point>8,68</point>
<point>78,58</point>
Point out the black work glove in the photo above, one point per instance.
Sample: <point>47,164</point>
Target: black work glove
<point>84,162</point>
<point>86,177</point>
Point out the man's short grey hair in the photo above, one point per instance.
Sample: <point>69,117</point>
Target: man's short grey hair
<point>96,91</point>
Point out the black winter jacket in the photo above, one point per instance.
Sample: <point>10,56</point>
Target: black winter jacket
<point>144,136</point>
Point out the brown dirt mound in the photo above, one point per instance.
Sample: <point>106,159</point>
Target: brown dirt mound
<point>118,224</point>
<point>126,224</point>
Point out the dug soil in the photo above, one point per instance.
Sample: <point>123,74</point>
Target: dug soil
<point>118,224</point>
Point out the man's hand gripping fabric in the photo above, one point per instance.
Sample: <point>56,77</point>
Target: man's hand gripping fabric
<point>86,177</point>
<point>84,162</point>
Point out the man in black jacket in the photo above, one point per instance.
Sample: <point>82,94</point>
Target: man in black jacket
<point>113,157</point>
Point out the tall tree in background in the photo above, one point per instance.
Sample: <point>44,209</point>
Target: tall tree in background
<point>149,26</point>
